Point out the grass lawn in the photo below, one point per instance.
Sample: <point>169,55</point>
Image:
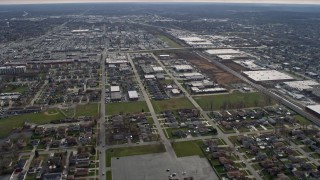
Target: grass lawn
<point>131,151</point>
<point>87,110</point>
<point>68,112</point>
<point>30,177</point>
<point>109,175</point>
<point>170,42</point>
<point>302,120</point>
<point>171,104</point>
<point>188,148</point>
<point>10,123</point>
<point>168,81</point>
<point>169,131</point>
<point>232,101</point>
<point>126,107</point>
<point>11,89</point>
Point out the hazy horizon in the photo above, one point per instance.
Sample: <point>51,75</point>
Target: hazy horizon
<point>160,1</point>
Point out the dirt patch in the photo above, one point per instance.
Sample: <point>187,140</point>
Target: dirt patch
<point>216,74</point>
<point>50,114</point>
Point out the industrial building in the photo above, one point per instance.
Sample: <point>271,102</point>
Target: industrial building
<point>196,41</point>
<point>183,68</point>
<point>300,85</point>
<point>222,52</point>
<point>250,64</point>
<point>314,109</point>
<point>7,70</point>
<point>133,95</point>
<point>267,75</point>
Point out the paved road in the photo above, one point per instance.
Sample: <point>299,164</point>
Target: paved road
<point>181,48</point>
<point>102,129</point>
<point>164,139</point>
<point>38,93</point>
<point>206,117</point>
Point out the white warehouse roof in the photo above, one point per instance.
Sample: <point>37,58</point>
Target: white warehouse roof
<point>182,67</point>
<point>157,69</point>
<point>115,88</point>
<point>315,108</point>
<point>133,94</point>
<point>267,75</point>
<point>222,51</point>
<point>302,85</point>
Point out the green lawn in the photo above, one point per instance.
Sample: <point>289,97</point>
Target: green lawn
<point>131,151</point>
<point>302,120</point>
<point>11,89</point>
<point>87,110</point>
<point>109,175</point>
<point>232,101</point>
<point>188,148</point>
<point>168,81</point>
<point>7,124</point>
<point>170,42</point>
<point>68,112</point>
<point>126,107</point>
<point>171,104</point>
<point>169,131</point>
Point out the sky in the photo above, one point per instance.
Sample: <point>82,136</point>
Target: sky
<point>115,1</point>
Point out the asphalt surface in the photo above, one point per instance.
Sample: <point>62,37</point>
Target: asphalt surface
<point>102,129</point>
<point>156,167</point>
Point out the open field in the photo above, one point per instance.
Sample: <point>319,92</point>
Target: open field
<point>11,89</point>
<point>170,42</point>
<point>187,148</point>
<point>126,107</point>
<point>87,110</point>
<point>109,175</point>
<point>10,123</point>
<point>171,104</point>
<point>302,120</point>
<point>232,101</point>
<point>131,151</point>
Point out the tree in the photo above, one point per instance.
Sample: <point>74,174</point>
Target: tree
<point>36,154</point>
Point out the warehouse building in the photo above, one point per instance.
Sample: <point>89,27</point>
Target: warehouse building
<point>314,109</point>
<point>223,52</point>
<point>133,95</point>
<point>7,70</point>
<point>183,68</point>
<point>267,75</point>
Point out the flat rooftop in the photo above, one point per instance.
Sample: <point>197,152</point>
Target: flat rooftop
<point>267,75</point>
<point>222,51</point>
<point>182,67</point>
<point>154,166</point>
<point>315,108</point>
<point>249,64</point>
<point>193,40</point>
<point>302,85</point>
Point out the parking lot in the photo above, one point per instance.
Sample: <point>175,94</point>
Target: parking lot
<point>154,166</point>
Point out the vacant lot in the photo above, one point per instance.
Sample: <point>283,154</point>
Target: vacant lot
<point>212,71</point>
<point>188,148</point>
<point>170,42</point>
<point>233,101</point>
<point>171,104</point>
<point>302,120</point>
<point>10,123</point>
<point>11,89</point>
<point>126,107</point>
<point>131,151</point>
<point>88,110</point>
